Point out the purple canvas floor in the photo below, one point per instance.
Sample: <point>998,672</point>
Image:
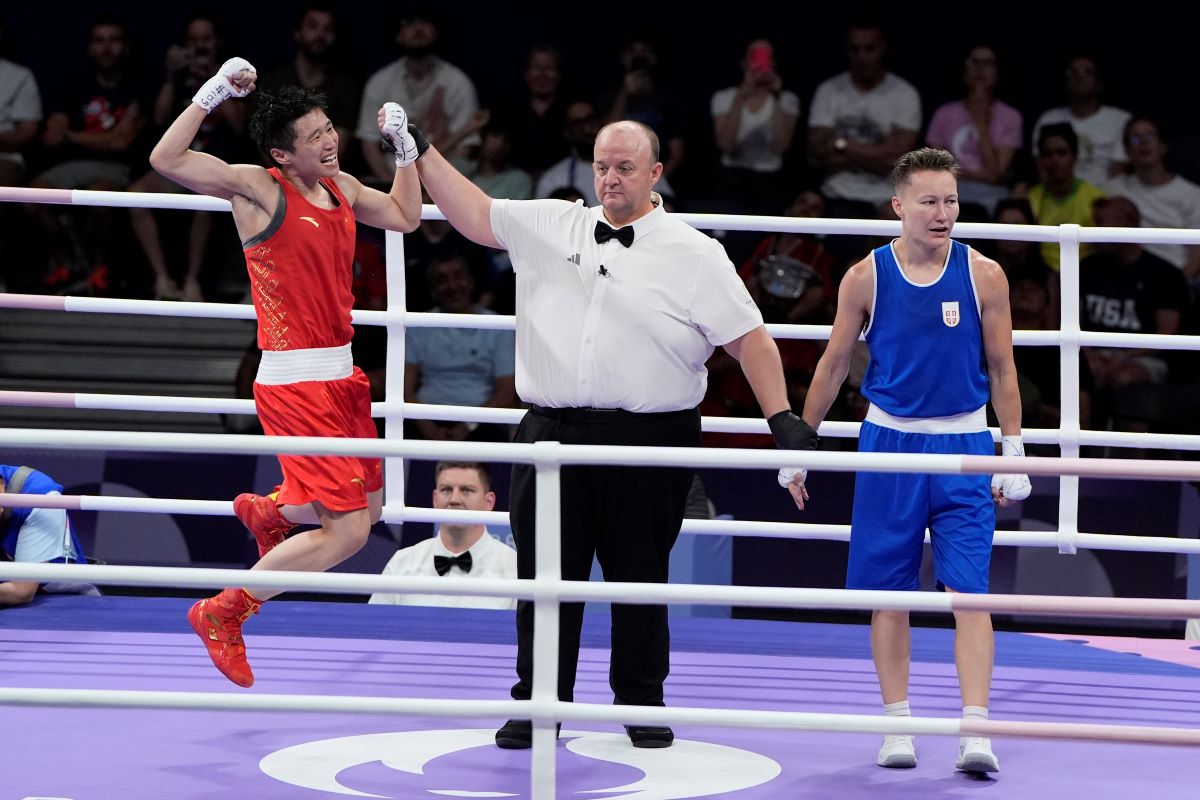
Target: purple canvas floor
<point>95,754</point>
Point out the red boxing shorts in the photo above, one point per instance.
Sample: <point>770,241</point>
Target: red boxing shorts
<point>340,408</point>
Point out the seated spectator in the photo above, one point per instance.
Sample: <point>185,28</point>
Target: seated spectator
<point>1020,257</point>
<point>1017,255</point>
<point>490,169</point>
<point>576,169</point>
<point>435,239</point>
<point>188,66</point>
<point>643,98</point>
<point>438,96</point>
<point>754,124</point>
<point>1099,128</point>
<point>1124,288</point>
<point>458,366</point>
<point>34,535</point>
<point>790,277</point>
<point>369,344</point>
<point>982,132</point>
<point>316,37</point>
<point>20,115</point>
<point>89,136</point>
<point>458,552</point>
<point>1039,369</point>
<point>1060,197</point>
<point>539,117</point>
<point>794,267</point>
<point>860,122</point>
<point>1163,199</point>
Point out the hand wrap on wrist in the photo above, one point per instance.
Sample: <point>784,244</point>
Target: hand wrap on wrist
<point>220,87</point>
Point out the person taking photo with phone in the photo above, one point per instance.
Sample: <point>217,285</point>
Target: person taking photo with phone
<point>754,124</point>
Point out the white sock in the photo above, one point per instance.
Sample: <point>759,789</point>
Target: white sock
<point>975,712</point>
<point>901,709</point>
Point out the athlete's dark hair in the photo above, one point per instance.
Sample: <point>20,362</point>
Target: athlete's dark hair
<point>271,126</point>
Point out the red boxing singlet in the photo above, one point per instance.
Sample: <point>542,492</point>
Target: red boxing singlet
<point>301,270</point>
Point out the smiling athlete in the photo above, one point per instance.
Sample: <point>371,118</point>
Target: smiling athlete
<point>296,221</point>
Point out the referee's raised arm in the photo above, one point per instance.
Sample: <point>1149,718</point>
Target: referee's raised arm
<point>465,205</point>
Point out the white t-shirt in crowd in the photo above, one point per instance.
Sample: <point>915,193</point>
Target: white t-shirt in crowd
<point>867,118</point>
<point>1172,205</point>
<point>20,101</point>
<point>1101,139</point>
<point>754,130</point>
<point>394,84</point>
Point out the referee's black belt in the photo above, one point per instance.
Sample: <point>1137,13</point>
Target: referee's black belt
<point>583,415</point>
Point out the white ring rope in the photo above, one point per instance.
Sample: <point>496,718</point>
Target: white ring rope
<point>512,416</point>
<point>555,453</point>
<point>590,712</point>
<point>608,591</point>
<point>727,222</point>
<point>503,322</point>
<point>713,527</point>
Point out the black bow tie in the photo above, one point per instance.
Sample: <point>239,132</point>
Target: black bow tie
<point>443,563</point>
<point>622,235</point>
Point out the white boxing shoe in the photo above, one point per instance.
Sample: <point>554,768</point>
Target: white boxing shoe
<point>898,752</point>
<point>975,755</point>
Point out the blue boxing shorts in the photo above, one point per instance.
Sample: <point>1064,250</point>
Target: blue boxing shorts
<point>893,509</point>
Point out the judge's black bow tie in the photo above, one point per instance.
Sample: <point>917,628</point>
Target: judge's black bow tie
<point>443,563</point>
<point>622,235</point>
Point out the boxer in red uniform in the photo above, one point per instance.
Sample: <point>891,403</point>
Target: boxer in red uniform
<point>296,222</point>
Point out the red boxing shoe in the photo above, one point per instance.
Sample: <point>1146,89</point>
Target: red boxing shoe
<point>218,622</point>
<point>261,517</point>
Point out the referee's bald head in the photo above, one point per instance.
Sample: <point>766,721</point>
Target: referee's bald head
<point>645,131</point>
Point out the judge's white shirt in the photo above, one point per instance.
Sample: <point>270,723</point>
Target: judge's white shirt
<point>490,558</point>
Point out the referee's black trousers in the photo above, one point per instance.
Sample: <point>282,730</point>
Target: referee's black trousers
<point>629,518</point>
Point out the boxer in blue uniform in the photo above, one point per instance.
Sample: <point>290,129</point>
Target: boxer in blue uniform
<point>937,323</point>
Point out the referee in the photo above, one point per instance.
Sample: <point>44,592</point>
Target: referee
<point>619,307</point>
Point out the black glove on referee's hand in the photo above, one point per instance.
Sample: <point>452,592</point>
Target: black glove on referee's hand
<point>793,433</point>
<point>421,140</point>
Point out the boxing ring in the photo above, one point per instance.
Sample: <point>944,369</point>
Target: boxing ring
<point>357,700</point>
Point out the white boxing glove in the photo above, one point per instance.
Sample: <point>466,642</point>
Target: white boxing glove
<point>393,126</point>
<point>788,474</point>
<point>1011,487</point>
<point>235,78</point>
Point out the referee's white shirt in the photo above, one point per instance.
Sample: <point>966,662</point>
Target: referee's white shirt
<point>635,337</point>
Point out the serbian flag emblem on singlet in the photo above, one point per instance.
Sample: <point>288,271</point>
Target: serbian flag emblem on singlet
<point>950,314</point>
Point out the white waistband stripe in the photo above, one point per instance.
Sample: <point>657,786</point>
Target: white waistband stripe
<point>280,367</point>
<point>968,422</point>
